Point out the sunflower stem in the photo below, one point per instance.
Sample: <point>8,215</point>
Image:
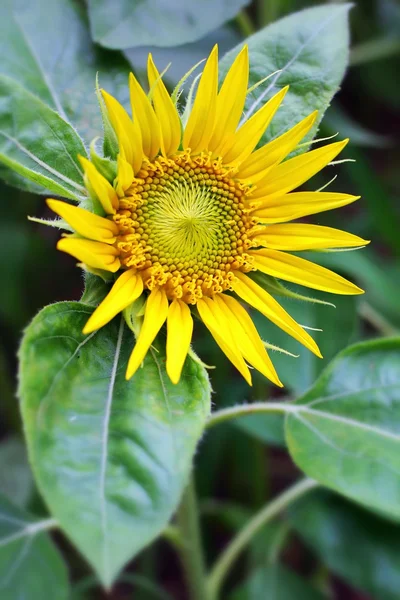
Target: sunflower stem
<point>191,551</point>
<point>233,412</point>
<point>240,541</point>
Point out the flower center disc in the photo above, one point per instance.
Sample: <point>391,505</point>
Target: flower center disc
<point>183,226</point>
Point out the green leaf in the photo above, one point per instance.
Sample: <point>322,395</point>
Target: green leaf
<point>345,432</point>
<point>331,526</point>
<point>110,457</point>
<point>121,24</point>
<point>275,583</point>
<point>36,142</point>
<point>15,474</point>
<point>30,565</point>
<point>46,48</point>
<point>310,49</point>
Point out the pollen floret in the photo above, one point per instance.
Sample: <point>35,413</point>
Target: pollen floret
<point>183,225</point>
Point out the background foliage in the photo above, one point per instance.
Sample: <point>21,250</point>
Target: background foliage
<point>344,429</point>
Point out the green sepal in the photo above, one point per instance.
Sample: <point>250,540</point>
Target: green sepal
<point>104,165</point>
<point>133,314</point>
<point>110,141</point>
<point>97,285</point>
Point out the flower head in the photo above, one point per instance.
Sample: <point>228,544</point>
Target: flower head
<point>195,210</point>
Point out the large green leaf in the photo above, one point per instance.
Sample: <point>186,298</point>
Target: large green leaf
<point>345,432</point>
<point>275,583</point>
<point>111,457</point>
<point>310,50</point>
<point>30,565</point>
<point>37,143</point>
<point>332,526</point>
<point>124,24</point>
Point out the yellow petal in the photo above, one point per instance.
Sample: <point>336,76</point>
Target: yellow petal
<point>211,317</point>
<point>256,166</point>
<point>230,101</point>
<point>246,336</point>
<point>144,114</point>
<point>84,222</point>
<point>301,236</point>
<point>101,187</point>
<point>156,311</point>
<point>179,335</point>
<point>293,172</point>
<point>201,120</point>
<point>125,290</point>
<point>298,270</point>
<point>279,209</point>
<point>94,254</point>
<point>124,174</point>
<point>128,131</point>
<point>261,300</point>
<point>240,146</point>
<point>166,112</point>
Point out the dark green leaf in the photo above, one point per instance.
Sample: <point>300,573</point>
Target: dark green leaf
<point>122,24</point>
<point>30,565</point>
<point>332,527</point>
<point>310,48</point>
<point>111,457</point>
<point>275,583</point>
<point>379,277</point>
<point>338,327</point>
<point>345,432</point>
<point>15,474</point>
<point>36,142</point>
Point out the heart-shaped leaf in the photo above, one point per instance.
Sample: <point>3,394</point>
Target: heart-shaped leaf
<point>111,457</point>
<point>345,432</point>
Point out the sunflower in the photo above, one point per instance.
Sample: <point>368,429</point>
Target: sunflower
<point>195,210</point>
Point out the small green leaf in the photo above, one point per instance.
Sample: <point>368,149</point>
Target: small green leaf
<point>30,565</point>
<point>111,457</point>
<point>36,142</point>
<point>331,526</point>
<point>122,24</point>
<point>310,49</point>
<point>275,583</point>
<point>345,432</point>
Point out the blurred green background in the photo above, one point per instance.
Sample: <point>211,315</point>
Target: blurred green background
<point>240,465</point>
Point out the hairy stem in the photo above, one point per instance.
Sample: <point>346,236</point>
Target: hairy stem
<point>247,409</point>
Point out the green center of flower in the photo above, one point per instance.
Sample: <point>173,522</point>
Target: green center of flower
<point>183,225</point>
